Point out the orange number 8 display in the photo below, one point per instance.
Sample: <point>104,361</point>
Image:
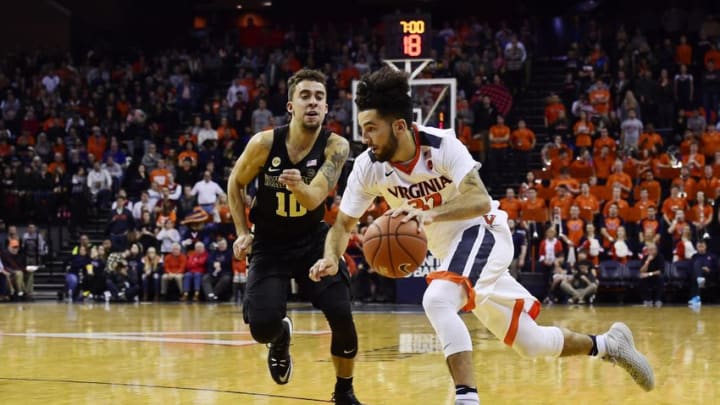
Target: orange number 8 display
<point>412,45</point>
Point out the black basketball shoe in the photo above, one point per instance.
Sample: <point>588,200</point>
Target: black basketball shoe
<point>279,360</point>
<point>345,398</point>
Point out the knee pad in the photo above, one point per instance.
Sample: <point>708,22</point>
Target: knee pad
<point>344,336</point>
<point>442,301</point>
<point>266,331</point>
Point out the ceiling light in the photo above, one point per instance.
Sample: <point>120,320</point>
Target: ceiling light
<point>267,3</point>
<point>239,6</point>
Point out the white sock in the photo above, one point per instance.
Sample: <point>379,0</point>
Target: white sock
<point>466,396</point>
<point>600,341</point>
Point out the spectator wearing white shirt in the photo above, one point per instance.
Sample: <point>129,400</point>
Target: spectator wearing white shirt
<point>154,194</point>
<point>207,133</point>
<point>168,236</point>
<point>207,192</point>
<point>631,130</point>
<point>100,184</point>
<point>261,117</point>
<point>145,204</point>
<point>51,81</point>
<point>237,92</point>
<point>114,169</point>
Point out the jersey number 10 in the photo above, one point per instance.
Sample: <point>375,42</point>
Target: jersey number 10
<point>289,207</point>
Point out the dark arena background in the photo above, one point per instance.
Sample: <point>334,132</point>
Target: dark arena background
<point>596,123</point>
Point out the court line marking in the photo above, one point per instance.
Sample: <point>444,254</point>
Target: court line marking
<point>160,337</point>
<point>247,393</point>
<point>94,336</point>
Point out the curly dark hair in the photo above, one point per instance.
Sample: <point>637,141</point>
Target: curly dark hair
<point>305,74</point>
<point>388,91</point>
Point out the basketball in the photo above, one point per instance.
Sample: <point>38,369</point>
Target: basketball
<point>392,248</point>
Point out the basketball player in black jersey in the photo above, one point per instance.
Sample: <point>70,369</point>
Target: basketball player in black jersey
<point>296,166</point>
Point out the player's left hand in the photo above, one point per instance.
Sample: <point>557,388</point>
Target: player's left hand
<point>412,214</point>
<point>291,178</point>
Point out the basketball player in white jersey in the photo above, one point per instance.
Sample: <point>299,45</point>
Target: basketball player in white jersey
<point>427,175</point>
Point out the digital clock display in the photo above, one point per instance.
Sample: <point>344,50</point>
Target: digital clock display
<point>407,36</point>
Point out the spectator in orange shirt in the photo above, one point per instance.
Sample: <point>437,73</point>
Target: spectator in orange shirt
<point>709,183</point>
<point>534,209</point>
<point>701,214</point>
<point>574,227</point>
<point>564,179</point>
<point>643,203</point>
<point>710,141</point>
<point>174,265</point>
<point>650,225</point>
<point>604,140</point>
<point>588,203</point>
<point>716,164</point>
<point>650,138</point>
<point>332,211</point>
<point>523,142</point>
<point>562,200</point>
<point>347,75</point>
<point>599,96</point>
<point>499,144</point>
<point>683,52</point>
<point>97,143</point>
<point>610,225</point>
<point>511,204</point>
<point>694,161</point>
<point>160,174</point>
<point>603,163</point>
<point>582,167</point>
<point>57,162</point>
<point>552,150</point>
<point>686,184</point>
<point>560,163</point>
<point>617,200</point>
<point>474,142</point>
<point>552,108</point>
<point>621,179</point>
<point>712,56</point>
<point>672,204</point>
<point>583,131</point>
<point>188,153</point>
<point>225,131</point>
<point>122,106</point>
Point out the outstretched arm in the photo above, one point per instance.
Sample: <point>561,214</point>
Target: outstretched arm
<point>335,244</point>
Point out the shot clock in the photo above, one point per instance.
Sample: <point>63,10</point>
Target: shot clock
<point>407,36</point>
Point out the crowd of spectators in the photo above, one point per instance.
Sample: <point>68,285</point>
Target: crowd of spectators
<point>147,140</point>
<point>631,177</point>
<point>150,137</point>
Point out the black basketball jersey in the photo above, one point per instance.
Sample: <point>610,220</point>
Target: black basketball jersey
<point>276,214</point>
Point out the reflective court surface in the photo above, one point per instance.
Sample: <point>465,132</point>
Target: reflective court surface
<point>54,353</point>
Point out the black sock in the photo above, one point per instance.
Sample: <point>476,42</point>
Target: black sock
<point>464,389</point>
<point>594,350</point>
<point>343,384</point>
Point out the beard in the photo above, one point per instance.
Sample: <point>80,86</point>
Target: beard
<point>385,153</point>
<point>311,126</point>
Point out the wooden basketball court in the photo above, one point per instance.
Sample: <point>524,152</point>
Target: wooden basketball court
<point>54,353</point>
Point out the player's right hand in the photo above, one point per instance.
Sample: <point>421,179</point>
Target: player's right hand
<point>323,267</point>
<point>242,246</point>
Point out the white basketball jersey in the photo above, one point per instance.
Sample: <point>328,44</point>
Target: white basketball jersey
<point>431,179</point>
